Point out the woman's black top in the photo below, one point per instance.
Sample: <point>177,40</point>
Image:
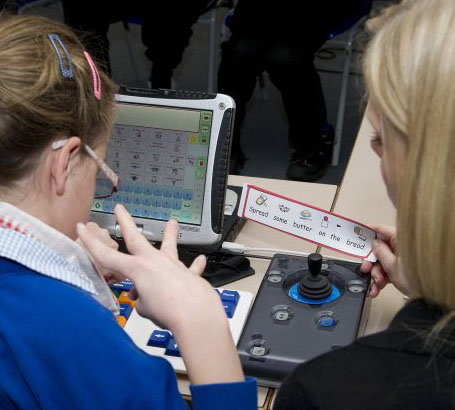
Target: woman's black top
<point>393,369</point>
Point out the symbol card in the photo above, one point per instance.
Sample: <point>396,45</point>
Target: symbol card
<point>307,222</point>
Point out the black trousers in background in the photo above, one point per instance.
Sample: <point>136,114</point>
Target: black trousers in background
<point>276,38</point>
<point>166,29</point>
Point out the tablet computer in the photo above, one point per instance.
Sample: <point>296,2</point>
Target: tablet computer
<point>171,152</point>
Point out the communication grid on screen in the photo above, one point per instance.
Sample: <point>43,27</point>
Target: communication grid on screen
<point>171,155</point>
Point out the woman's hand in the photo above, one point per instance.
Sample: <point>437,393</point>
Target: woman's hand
<point>387,268</point>
<point>174,297</point>
<point>104,237</point>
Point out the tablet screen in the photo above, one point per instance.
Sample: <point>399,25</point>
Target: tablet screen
<point>160,154</point>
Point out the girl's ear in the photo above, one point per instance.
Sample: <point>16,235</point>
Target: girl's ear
<point>62,163</point>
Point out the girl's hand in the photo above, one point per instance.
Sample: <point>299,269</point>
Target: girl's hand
<point>174,297</point>
<point>166,291</point>
<point>104,237</point>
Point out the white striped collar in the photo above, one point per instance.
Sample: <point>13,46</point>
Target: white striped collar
<point>30,242</point>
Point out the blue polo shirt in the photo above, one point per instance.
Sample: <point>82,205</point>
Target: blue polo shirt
<point>61,349</point>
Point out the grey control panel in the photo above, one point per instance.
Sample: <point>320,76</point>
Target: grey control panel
<point>283,331</point>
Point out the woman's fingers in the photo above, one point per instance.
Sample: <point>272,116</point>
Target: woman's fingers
<point>379,276</point>
<point>366,266</point>
<point>383,249</point>
<point>374,290</point>
<point>385,256</point>
<point>170,235</point>
<point>386,233</point>
<point>134,240</point>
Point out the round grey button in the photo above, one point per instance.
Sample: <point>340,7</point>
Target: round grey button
<point>274,278</point>
<point>356,286</point>
<point>282,315</point>
<point>258,351</point>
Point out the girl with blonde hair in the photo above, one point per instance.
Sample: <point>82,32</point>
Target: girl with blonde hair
<point>410,75</point>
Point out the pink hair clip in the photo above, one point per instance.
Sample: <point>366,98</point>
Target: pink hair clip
<point>95,76</point>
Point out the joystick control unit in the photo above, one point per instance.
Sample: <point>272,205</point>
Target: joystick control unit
<point>306,306</point>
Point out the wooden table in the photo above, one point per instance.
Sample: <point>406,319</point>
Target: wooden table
<point>362,196</point>
<point>253,234</point>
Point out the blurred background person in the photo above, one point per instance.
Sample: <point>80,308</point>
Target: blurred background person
<point>166,29</point>
<point>279,39</point>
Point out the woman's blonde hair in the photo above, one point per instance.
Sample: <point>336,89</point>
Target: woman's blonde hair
<point>37,102</point>
<point>409,69</point>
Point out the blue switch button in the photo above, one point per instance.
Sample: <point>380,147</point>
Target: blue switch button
<point>229,308</point>
<point>159,338</point>
<point>326,321</point>
<point>172,349</point>
<point>125,310</point>
<point>230,296</point>
<point>125,285</point>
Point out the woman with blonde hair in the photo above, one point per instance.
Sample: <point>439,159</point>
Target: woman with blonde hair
<point>410,75</point>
